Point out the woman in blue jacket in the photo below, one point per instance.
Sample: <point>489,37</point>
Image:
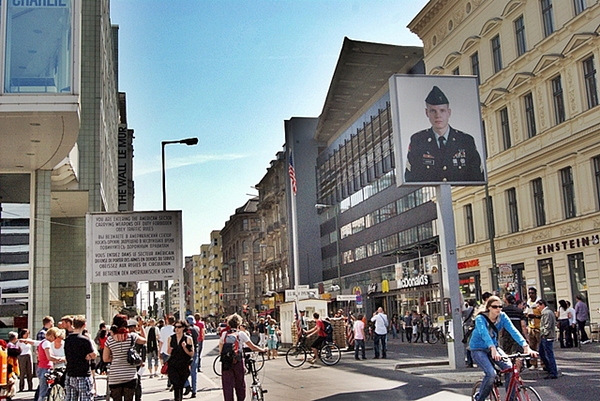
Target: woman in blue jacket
<point>484,344</point>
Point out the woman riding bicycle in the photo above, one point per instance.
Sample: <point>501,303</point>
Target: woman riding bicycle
<point>484,344</point>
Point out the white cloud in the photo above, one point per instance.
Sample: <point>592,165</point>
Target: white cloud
<point>143,167</point>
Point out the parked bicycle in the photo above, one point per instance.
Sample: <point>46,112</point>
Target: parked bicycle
<point>257,357</point>
<point>56,384</point>
<point>437,334</point>
<point>522,392</point>
<point>329,353</point>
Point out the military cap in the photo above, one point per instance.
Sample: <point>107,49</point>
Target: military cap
<point>436,96</point>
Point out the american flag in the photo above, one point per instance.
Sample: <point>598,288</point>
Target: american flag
<point>297,319</point>
<point>292,174</point>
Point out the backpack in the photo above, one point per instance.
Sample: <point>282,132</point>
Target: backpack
<point>194,332</point>
<point>230,352</point>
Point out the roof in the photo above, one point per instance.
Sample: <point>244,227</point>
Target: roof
<point>363,69</point>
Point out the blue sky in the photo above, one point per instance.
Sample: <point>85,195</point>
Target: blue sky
<point>230,72</point>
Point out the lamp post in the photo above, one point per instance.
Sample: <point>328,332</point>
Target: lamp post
<point>188,142</point>
<point>321,206</point>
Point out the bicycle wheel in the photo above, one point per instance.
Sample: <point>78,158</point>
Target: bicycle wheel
<point>527,393</point>
<point>433,339</point>
<point>475,390</point>
<point>56,393</point>
<point>296,356</point>
<point>257,393</point>
<point>259,359</point>
<point>217,365</point>
<point>330,354</point>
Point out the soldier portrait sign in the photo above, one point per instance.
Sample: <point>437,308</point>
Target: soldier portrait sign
<point>437,130</point>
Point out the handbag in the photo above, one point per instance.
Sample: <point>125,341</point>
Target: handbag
<point>133,356</point>
<point>164,368</point>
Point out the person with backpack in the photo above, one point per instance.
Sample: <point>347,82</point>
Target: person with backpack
<point>231,345</point>
<point>484,344</point>
<point>321,336</point>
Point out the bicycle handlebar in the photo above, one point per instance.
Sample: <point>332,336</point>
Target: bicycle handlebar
<point>517,356</point>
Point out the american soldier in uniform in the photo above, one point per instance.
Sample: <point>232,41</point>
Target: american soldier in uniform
<point>442,153</point>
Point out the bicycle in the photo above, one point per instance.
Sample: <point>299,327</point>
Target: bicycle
<point>522,392</point>
<point>329,353</point>
<point>257,357</point>
<point>256,387</point>
<point>56,381</point>
<point>437,334</point>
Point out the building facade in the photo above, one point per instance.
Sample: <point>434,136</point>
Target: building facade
<point>59,154</point>
<point>536,63</point>
<point>242,288</point>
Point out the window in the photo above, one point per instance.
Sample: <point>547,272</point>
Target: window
<point>589,75</point>
<point>505,128</point>
<point>596,161</point>
<point>489,212</point>
<point>547,17</point>
<point>38,60</point>
<point>579,283</point>
<point>579,6</point>
<point>568,192</point>
<point>513,210</point>
<point>538,202</point>
<point>558,101</point>
<point>244,247</point>
<point>246,267</point>
<point>456,71</point>
<point>475,66</point>
<point>497,53</point>
<point>520,36</point>
<point>529,115</point>
<point>469,224</point>
<point>548,290</point>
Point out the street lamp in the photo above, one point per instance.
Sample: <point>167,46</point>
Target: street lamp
<point>188,142</point>
<point>321,206</point>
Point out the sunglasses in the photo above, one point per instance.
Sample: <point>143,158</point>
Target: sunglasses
<point>496,306</point>
<point>179,327</point>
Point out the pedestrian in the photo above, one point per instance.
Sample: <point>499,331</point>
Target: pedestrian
<point>271,329</point>
<point>547,337</point>
<point>262,336</point>
<point>194,332</point>
<point>394,326</point>
<point>166,332</point>
<point>442,153</point>
<point>100,340</point>
<point>415,324</point>
<point>468,324</point>
<point>137,327</point>
<point>572,323</point>
<point>122,376</point>
<point>180,350</point>
<point>427,323</point>
<point>408,326</point>
<point>25,360</point>
<point>201,334</point>
<point>380,335</point>
<point>45,361</point>
<point>484,344</point>
<point>232,377</point>
<point>564,336</point>
<point>519,321</point>
<point>66,323</point>
<point>534,315</point>
<point>47,322</point>
<point>152,340</point>
<point>582,314</point>
<point>79,352</point>
<point>359,337</point>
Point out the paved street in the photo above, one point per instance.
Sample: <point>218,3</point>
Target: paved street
<point>411,372</point>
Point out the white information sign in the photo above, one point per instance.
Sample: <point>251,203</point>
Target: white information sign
<point>300,294</point>
<point>345,298</point>
<point>134,246</point>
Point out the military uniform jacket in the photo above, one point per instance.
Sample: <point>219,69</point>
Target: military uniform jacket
<point>458,161</point>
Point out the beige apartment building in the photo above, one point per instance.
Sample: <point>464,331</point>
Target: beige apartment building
<point>536,62</point>
<point>207,277</point>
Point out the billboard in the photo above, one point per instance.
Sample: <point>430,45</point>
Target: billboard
<point>438,136</point>
<point>134,246</point>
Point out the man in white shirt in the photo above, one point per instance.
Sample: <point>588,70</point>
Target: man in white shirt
<point>380,335</point>
<point>165,333</point>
